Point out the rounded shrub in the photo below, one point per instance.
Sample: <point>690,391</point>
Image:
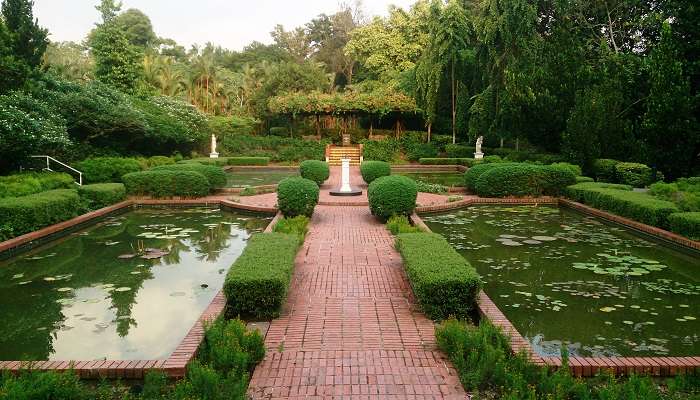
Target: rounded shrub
<point>553,180</point>
<point>315,170</point>
<point>297,196</point>
<point>392,195</point>
<point>107,169</point>
<point>167,183</point>
<point>20,215</point>
<point>634,174</point>
<point>571,167</point>
<point>215,175</point>
<point>604,170</point>
<point>100,195</point>
<point>372,170</point>
<point>473,173</point>
<point>509,180</point>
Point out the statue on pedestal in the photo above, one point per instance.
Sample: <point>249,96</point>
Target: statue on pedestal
<point>478,154</point>
<point>213,154</point>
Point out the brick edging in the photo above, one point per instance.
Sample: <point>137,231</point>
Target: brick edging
<point>581,366</point>
<point>483,200</point>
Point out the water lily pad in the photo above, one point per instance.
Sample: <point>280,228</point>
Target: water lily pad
<point>122,289</point>
<point>628,322</point>
<point>608,309</point>
<point>544,238</point>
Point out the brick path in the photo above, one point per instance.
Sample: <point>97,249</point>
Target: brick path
<point>350,328</point>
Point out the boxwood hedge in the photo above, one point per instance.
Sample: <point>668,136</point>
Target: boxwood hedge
<point>473,173</point>
<point>317,171</point>
<point>442,280</point>
<point>297,196</point>
<point>34,182</point>
<point>604,170</point>
<point>686,224</point>
<point>634,174</point>
<point>257,283</point>
<point>372,170</point>
<point>215,175</point>
<point>505,179</point>
<point>248,160</point>
<point>20,215</point>
<point>620,200</point>
<point>392,195</point>
<point>107,169</point>
<point>100,195</point>
<point>167,183</point>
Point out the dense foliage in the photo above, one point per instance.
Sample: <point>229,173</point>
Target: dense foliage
<point>297,196</point>
<point>443,281</point>
<point>400,224</point>
<point>392,195</point>
<point>372,170</point>
<point>686,224</point>
<point>488,368</point>
<point>167,184</point>
<point>257,283</point>
<point>315,170</point>
<point>685,192</point>
<point>293,226</point>
<point>101,195</point>
<point>20,215</point>
<point>278,149</point>
<point>34,182</point>
<point>518,180</point>
<point>107,169</point>
<point>215,175</point>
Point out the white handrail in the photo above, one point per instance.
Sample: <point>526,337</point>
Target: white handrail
<point>48,167</point>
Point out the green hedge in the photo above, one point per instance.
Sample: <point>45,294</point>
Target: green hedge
<point>372,170</point>
<point>215,175</point>
<point>637,206</point>
<point>257,283</point>
<point>297,196</point>
<point>155,161</point>
<point>473,174</point>
<point>167,183</point>
<point>382,150</point>
<point>584,179</point>
<point>575,169</point>
<point>634,174</point>
<point>505,179</point>
<point>604,170</point>
<point>216,162</point>
<point>448,161</point>
<point>400,224</point>
<point>459,151</point>
<point>107,169</point>
<point>686,224</point>
<point>442,280</point>
<point>248,160</point>
<point>20,215</point>
<point>315,170</point>
<point>100,195</point>
<point>392,195</point>
<point>34,182</point>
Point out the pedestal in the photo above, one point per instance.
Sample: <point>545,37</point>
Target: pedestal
<point>479,156</point>
<point>214,155</point>
<point>345,189</point>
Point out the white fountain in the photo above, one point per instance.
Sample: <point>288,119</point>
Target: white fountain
<point>345,188</point>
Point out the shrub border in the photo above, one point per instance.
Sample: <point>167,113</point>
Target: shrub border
<point>176,363</point>
<point>580,366</point>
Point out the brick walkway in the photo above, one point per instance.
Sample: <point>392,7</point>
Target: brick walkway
<point>350,329</point>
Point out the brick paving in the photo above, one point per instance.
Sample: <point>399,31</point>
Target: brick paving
<point>350,328</point>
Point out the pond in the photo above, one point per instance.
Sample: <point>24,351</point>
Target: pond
<point>441,178</point>
<point>242,178</point>
<point>127,288</point>
<point>565,279</point>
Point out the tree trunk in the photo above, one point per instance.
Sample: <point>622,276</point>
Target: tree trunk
<point>318,126</point>
<point>454,105</point>
<point>371,127</point>
<point>517,144</point>
<point>501,142</point>
<point>430,129</point>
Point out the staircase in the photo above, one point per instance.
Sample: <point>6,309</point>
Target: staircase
<point>335,154</point>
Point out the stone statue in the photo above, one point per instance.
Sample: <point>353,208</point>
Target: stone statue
<point>213,154</point>
<point>479,155</point>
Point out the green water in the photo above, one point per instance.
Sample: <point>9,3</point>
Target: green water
<point>241,178</point>
<point>75,299</point>
<point>440,178</point>
<point>564,279</point>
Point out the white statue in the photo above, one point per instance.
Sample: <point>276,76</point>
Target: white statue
<point>478,155</point>
<point>345,176</point>
<point>213,154</point>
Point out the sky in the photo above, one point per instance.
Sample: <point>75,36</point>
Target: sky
<point>232,24</point>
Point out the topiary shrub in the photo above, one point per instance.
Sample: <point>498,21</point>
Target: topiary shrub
<point>100,195</point>
<point>34,182</point>
<point>248,160</point>
<point>523,180</point>
<point>604,170</point>
<point>165,183</point>
<point>392,195</point>
<point>257,283</point>
<point>372,170</point>
<point>553,180</point>
<point>686,224</point>
<point>215,175</point>
<point>571,167</point>
<point>443,281</point>
<point>20,215</point>
<point>473,173</point>
<point>634,174</point>
<point>297,196</point>
<point>315,170</point>
<point>107,169</point>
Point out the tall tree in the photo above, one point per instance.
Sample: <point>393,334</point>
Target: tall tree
<point>109,9</point>
<point>28,39</point>
<point>14,70</point>
<point>138,28</point>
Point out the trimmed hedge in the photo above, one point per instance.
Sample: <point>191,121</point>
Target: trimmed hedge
<point>634,174</point>
<point>571,167</point>
<point>297,196</point>
<point>503,180</point>
<point>33,182</point>
<point>686,224</point>
<point>215,175</point>
<point>635,205</point>
<point>443,281</point>
<point>459,151</point>
<point>372,170</point>
<point>107,169</point>
<point>20,215</point>
<point>248,161</point>
<point>604,170</point>
<point>584,179</point>
<point>468,162</point>
<point>473,174</point>
<point>257,283</point>
<point>216,162</point>
<point>164,183</point>
<point>100,195</point>
<point>392,195</point>
<point>317,171</point>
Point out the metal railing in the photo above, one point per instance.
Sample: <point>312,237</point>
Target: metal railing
<point>49,159</point>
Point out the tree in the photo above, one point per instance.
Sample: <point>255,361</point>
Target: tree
<point>14,71</point>
<point>108,10</point>
<point>449,32</point>
<point>138,28</point>
<point>69,60</point>
<point>29,39</point>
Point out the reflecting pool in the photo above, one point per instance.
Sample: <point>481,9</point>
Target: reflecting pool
<point>242,178</point>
